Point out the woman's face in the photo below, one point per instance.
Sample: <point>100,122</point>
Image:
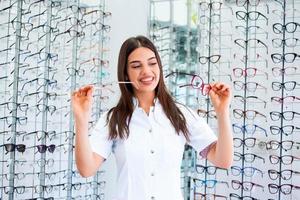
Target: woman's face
<point>143,70</point>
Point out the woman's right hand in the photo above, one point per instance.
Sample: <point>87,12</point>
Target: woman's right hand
<point>82,101</point>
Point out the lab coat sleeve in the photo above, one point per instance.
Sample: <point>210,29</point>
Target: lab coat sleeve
<point>201,135</point>
<point>98,138</point>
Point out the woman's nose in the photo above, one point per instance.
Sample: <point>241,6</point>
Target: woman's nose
<point>146,69</point>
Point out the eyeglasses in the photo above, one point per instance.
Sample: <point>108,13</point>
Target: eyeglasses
<point>288,85</point>
<point>73,72</point>
<point>290,27</point>
<point>252,15</point>
<point>212,59</point>
<point>12,147</point>
<point>22,25</point>
<point>43,108</point>
<point>249,86</point>
<point>103,14</point>
<point>43,56</point>
<point>277,71</point>
<point>19,176</point>
<point>286,145</point>
<point>40,134</point>
<point>286,115</point>
<point>237,197</point>
<point>244,2</point>
<point>72,33</point>
<point>249,114</point>
<point>40,95</point>
<point>204,113</point>
<point>211,170</point>
<point>247,157</point>
<point>246,185</point>
<point>99,26</point>
<point>284,174</point>
<point>248,142</point>
<point>196,82</point>
<point>43,162</point>
<point>96,61</point>
<point>200,196</point>
<point>73,21</point>
<point>248,128</point>
<point>18,189</point>
<point>73,8</point>
<point>247,171</point>
<point>204,19</point>
<point>250,99</point>
<point>40,188</point>
<point>285,188</point>
<point>287,130</point>
<point>244,43</point>
<point>214,5</point>
<point>46,29</point>
<point>286,57</point>
<point>66,147</point>
<point>208,183</point>
<point>253,29</point>
<point>11,134</point>
<point>10,105</point>
<point>10,120</point>
<point>288,42</point>
<point>248,72</point>
<point>286,159</point>
<point>41,82</point>
<point>42,148</point>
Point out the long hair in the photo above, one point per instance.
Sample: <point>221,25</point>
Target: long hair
<point>118,117</point>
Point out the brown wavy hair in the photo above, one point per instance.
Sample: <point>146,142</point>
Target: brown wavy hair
<point>118,117</point>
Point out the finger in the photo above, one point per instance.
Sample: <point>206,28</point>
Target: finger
<point>215,86</point>
<point>225,88</point>
<point>90,92</point>
<point>84,89</point>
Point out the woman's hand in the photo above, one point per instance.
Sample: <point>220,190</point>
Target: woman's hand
<point>82,100</point>
<point>220,95</point>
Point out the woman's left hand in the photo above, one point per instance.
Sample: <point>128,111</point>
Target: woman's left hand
<point>220,95</point>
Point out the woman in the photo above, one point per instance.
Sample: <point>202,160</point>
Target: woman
<point>147,129</point>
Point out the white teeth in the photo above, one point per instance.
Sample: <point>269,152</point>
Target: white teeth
<point>147,79</point>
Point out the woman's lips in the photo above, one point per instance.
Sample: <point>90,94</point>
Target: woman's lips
<point>147,80</point>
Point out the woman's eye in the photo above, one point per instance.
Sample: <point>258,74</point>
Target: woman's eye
<point>154,63</point>
<point>135,66</point>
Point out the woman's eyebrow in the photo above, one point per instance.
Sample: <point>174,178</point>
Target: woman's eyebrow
<point>152,58</point>
<point>137,61</point>
<point>134,61</point>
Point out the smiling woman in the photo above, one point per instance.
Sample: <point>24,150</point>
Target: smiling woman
<point>143,69</point>
<point>147,130</point>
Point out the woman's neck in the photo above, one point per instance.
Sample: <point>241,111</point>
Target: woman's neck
<point>145,101</point>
